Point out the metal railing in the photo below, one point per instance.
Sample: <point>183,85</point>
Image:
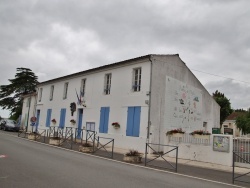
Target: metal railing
<point>161,155</point>
<point>105,146</point>
<point>237,178</point>
<point>187,138</point>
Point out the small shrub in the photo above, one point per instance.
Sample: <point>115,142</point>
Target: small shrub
<point>133,153</point>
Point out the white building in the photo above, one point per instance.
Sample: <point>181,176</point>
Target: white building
<point>28,110</point>
<point>147,96</point>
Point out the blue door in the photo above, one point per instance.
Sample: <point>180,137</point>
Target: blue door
<point>62,118</point>
<point>37,118</point>
<point>104,120</point>
<point>133,121</point>
<point>48,118</point>
<point>80,115</point>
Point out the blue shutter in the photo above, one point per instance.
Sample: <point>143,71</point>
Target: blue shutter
<point>130,121</point>
<point>48,118</point>
<point>104,120</point>
<point>62,118</point>
<point>80,113</point>
<point>133,121</point>
<point>37,118</point>
<point>137,117</point>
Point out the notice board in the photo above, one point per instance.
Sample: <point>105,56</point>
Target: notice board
<point>221,143</point>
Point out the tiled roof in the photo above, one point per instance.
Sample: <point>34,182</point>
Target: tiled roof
<point>234,115</point>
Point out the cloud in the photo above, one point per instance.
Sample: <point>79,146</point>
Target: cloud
<point>56,38</point>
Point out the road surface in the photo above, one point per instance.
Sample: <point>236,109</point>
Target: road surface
<point>26,164</point>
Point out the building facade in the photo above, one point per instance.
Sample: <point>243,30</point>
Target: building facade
<point>146,96</point>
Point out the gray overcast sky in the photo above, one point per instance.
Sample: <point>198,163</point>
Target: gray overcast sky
<point>59,37</point>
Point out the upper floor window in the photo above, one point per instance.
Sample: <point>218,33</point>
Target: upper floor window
<point>137,79</point>
<point>51,92</point>
<point>83,85</point>
<point>65,91</point>
<point>107,85</point>
<point>40,94</point>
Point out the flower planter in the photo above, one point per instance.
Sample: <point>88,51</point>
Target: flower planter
<point>198,136</point>
<point>56,142</point>
<point>132,159</point>
<point>116,127</point>
<point>85,149</point>
<point>33,136</point>
<point>177,135</point>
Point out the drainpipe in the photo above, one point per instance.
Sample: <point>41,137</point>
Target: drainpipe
<point>149,94</point>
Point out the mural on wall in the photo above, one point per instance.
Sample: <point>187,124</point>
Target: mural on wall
<point>183,106</point>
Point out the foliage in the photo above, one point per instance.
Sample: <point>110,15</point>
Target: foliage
<point>225,105</point>
<point>73,121</point>
<point>200,132</point>
<point>53,120</point>
<point>175,131</point>
<point>86,144</point>
<point>243,123</point>
<point>11,95</point>
<point>133,153</point>
<point>116,124</point>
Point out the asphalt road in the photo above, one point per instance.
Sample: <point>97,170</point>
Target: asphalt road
<point>26,164</point>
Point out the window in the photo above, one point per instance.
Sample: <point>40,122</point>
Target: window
<point>104,120</point>
<point>83,84</point>
<point>137,79</point>
<point>107,85</point>
<point>51,92</point>
<point>133,121</point>
<point>40,94</point>
<point>65,90</point>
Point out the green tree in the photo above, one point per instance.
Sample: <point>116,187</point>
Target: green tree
<point>11,95</point>
<point>243,123</point>
<point>225,105</point>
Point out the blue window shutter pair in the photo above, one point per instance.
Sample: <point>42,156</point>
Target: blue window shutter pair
<point>48,118</point>
<point>133,121</point>
<point>62,118</point>
<point>104,120</point>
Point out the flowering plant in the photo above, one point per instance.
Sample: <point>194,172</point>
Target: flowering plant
<point>72,121</point>
<point>53,121</point>
<point>200,132</point>
<point>175,131</point>
<point>116,124</point>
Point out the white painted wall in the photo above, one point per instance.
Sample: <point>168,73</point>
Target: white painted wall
<point>171,66</point>
<point>204,153</point>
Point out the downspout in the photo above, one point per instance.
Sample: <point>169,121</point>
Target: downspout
<point>149,94</point>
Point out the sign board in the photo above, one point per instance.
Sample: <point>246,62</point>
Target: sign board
<point>221,143</point>
<point>215,130</point>
<point>228,131</point>
<point>33,124</point>
<point>90,126</point>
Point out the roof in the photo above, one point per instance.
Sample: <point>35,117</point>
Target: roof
<point>234,115</point>
<point>106,66</point>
